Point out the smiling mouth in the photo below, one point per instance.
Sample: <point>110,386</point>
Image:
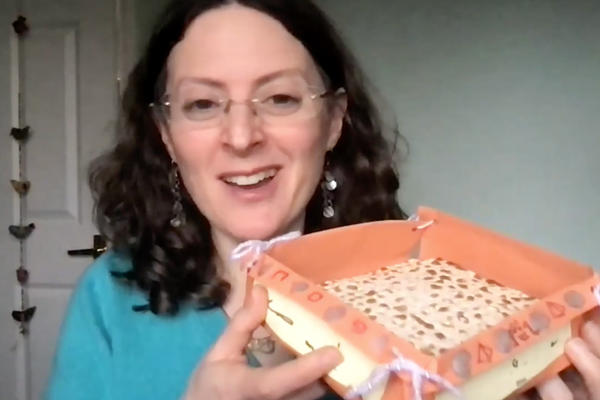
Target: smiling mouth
<point>251,181</point>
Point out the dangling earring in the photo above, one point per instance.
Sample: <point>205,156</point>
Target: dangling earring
<point>328,186</point>
<point>178,215</point>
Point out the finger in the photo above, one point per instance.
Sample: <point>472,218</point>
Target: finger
<point>279,381</point>
<point>574,381</point>
<point>586,363</point>
<point>590,333</point>
<point>239,331</point>
<point>554,389</point>
<point>595,315</point>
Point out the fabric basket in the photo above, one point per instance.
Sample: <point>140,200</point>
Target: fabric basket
<point>511,356</point>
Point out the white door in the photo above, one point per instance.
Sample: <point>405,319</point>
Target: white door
<point>67,71</point>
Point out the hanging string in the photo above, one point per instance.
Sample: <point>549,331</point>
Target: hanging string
<point>402,365</point>
<point>256,247</point>
<point>425,225</point>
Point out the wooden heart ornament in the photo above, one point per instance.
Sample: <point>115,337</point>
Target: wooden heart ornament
<point>24,315</point>
<point>20,134</point>
<point>20,25</point>
<point>21,232</point>
<point>22,275</point>
<point>21,187</point>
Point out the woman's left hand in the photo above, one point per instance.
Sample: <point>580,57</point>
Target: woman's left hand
<point>584,354</point>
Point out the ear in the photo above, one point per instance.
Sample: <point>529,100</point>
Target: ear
<point>336,122</point>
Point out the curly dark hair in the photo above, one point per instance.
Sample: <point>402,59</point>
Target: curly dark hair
<point>130,183</point>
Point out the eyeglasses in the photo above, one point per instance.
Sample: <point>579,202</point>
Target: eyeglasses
<point>206,108</point>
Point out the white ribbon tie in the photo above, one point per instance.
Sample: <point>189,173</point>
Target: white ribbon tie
<point>256,247</point>
<point>399,365</point>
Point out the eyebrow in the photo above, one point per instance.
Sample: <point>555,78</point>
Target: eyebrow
<point>258,82</point>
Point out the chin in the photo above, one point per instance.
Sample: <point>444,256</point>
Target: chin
<point>258,231</point>
<point>261,223</point>
<point>264,229</point>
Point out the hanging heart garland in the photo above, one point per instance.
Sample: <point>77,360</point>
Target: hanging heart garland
<point>21,186</point>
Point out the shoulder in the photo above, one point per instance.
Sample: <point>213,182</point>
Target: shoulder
<point>114,299</point>
<point>102,293</point>
<point>100,271</point>
<point>111,301</point>
<point>101,275</point>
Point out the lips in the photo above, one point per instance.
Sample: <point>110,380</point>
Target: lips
<point>250,178</point>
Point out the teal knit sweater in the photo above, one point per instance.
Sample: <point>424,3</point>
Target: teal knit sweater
<point>106,351</point>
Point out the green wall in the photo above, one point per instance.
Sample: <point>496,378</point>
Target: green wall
<point>500,103</point>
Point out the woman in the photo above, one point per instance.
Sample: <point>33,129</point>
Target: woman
<point>240,120</point>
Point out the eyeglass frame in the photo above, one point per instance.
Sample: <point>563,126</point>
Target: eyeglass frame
<point>251,103</point>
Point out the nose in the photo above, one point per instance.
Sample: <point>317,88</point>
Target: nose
<point>241,129</point>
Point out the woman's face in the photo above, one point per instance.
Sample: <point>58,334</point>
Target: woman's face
<point>250,174</point>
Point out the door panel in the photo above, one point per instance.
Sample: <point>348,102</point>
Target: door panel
<point>51,108</point>
<point>51,302</point>
<point>69,93</point>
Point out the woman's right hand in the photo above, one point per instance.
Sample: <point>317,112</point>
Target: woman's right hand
<point>225,375</point>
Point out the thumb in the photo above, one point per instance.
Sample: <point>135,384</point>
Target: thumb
<point>233,341</point>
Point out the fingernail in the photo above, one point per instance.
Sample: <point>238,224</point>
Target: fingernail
<point>576,345</point>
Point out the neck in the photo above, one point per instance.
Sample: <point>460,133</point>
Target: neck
<point>224,245</point>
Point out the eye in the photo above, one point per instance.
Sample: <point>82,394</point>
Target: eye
<point>200,105</point>
<point>282,100</point>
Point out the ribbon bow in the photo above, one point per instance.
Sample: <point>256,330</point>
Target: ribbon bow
<point>597,293</point>
<point>399,365</point>
<point>257,247</point>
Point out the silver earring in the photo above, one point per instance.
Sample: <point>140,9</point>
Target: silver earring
<point>328,186</point>
<point>178,215</point>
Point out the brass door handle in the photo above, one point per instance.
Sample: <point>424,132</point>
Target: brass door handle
<point>99,248</point>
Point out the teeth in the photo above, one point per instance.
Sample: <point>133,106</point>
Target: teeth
<point>252,179</point>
